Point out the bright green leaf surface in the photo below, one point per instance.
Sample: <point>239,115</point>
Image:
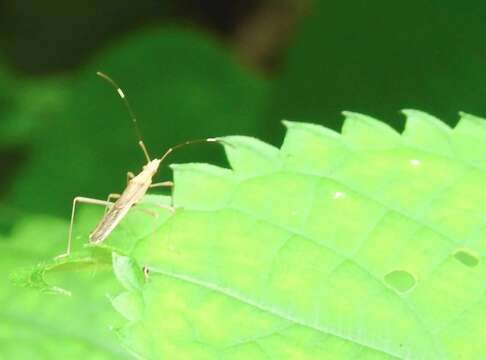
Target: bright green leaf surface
<point>365,245</point>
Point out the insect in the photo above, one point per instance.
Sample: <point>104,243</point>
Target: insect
<point>137,185</point>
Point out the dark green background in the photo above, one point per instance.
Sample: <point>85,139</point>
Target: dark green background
<point>63,131</point>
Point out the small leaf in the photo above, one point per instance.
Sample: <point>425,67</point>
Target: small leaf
<point>128,273</point>
<point>35,278</point>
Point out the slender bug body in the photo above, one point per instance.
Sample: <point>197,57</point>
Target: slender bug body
<point>136,188</point>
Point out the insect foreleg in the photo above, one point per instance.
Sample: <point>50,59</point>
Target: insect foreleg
<point>162,184</point>
<point>130,176</point>
<point>73,211</point>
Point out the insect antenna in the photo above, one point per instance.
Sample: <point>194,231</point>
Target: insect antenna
<point>196,141</point>
<point>129,109</point>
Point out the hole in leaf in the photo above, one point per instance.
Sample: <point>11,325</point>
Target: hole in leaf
<point>400,280</point>
<point>466,258</point>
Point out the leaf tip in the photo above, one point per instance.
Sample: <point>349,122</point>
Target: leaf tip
<point>469,116</point>
<point>288,124</point>
<point>416,118</point>
<point>127,271</point>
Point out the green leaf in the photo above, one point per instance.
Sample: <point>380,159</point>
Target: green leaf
<point>27,104</point>
<point>35,277</point>
<point>127,272</point>
<point>35,325</point>
<point>367,245</point>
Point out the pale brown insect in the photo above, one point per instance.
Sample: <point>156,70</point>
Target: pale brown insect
<point>136,187</point>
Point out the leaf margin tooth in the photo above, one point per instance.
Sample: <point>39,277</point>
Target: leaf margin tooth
<point>377,134</point>
<point>316,129</point>
<point>425,131</point>
<point>321,133</point>
<point>308,145</point>
<point>205,174</point>
<point>413,114</point>
<point>266,158</point>
<point>470,124</point>
<point>468,135</point>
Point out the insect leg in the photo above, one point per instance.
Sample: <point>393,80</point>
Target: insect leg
<point>166,207</point>
<point>157,204</point>
<point>146,211</point>
<point>73,211</point>
<point>130,176</point>
<point>162,184</point>
<point>110,197</point>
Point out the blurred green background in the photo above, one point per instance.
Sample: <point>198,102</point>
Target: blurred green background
<point>195,68</point>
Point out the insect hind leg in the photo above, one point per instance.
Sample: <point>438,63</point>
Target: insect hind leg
<point>84,200</point>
